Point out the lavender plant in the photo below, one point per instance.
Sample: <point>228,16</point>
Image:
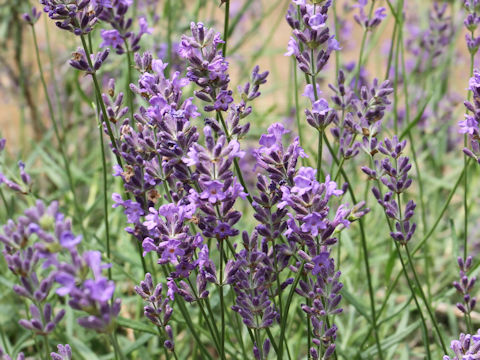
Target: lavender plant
<point>205,224</point>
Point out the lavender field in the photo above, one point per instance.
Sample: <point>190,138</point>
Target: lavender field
<point>239,179</point>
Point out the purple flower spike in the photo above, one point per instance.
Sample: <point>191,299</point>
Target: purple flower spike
<point>467,347</point>
<point>469,126</point>
<point>4,356</point>
<point>158,309</point>
<point>323,289</point>
<point>251,276</point>
<point>464,286</point>
<point>392,172</point>
<point>32,17</point>
<point>310,32</point>
<point>64,352</point>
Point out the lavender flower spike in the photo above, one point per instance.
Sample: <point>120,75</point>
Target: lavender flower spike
<point>466,348</point>
<point>64,352</point>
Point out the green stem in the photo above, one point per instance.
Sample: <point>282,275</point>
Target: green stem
<point>425,238</point>
<point>225,27</point>
<point>272,340</point>
<point>297,112</point>
<point>412,290</point>
<point>284,315</point>
<point>442,212</point>
<point>98,92</point>
<point>319,154</point>
<point>238,327</point>
<point>105,200</point>
<point>280,307</point>
<point>259,343</point>
<point>128,91</point>
<point>238,171</point>
<point>212,327</point>
<point>46,347</point>
<point>415,161</point>
<point>116,347</point>
<point>188,320</point>
<point>222,304</point>
<point>422,294</point>
<point>365,255</point>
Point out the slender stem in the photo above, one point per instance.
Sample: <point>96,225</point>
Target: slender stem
<point>238,327</point>
<point>272,340</point>
<point>128,91</point>
<point>280,307</point>
<point>225,27</point>
<point>191,327</point>
<point>212,327</point>
<point>188,320</point>
<point>444,208</point>
<point>422,294</point>
<point>46,347</point>
<point>174,354</point>
<point>415,161</point>
<point>412,290</point>
<point>105,200</point>
<point>283,319</point>
<point>319,154</point>
<point>425,238</point>
<point>116,152</point>
<point>365,256</point>
<point>98,92</point>
<point>258,342</point>
<point>222,304</point>
<point>167,356</point>
<point>309,325</point>
<point>390,53</point>
<point>238,171</point>
<point>297,112</point>
<point>116,346</point>
<point>320,131</point>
